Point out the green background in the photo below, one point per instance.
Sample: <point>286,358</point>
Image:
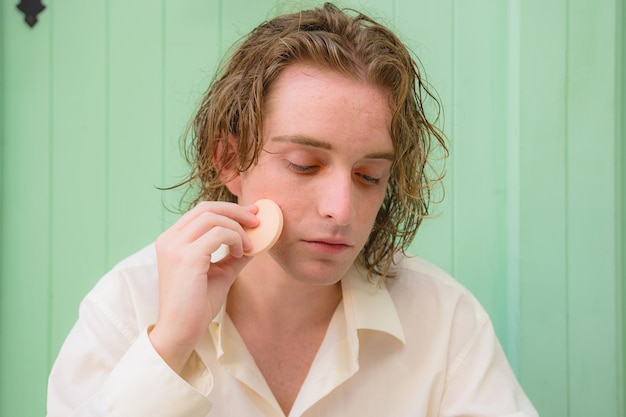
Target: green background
<point>95,97</point>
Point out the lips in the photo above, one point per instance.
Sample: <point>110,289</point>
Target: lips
<point>329,245</point>
<point>330,241</point>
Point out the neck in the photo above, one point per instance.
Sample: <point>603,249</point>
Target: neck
<point>282,321</point>
<point>270,298</point>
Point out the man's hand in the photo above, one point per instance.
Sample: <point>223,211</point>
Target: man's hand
<point>192,290</point>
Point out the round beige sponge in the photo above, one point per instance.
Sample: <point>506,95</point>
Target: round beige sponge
<point>266,234</point>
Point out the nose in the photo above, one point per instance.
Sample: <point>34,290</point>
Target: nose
<point>337,200</point>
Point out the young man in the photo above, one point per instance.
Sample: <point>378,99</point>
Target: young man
<point>322,112</point>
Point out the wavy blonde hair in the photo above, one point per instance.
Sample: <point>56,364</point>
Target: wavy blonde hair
<point>352,44</point>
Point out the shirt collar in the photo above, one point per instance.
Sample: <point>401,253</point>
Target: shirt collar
<point>369,306</point>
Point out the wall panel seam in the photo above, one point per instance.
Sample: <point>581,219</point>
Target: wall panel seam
<point>50,231</point>
<point>3,173</point>
<point>452,153</point>
<point>163,105</point>
<point>620,209</point>
<point>566,213</point>
<point>513,186</point>
<point>220,32</point>
<point>107,132</point>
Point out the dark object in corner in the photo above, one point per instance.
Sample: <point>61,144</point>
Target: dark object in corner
<point>30,8</point>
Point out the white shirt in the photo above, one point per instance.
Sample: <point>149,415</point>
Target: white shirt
<point>419,346</point>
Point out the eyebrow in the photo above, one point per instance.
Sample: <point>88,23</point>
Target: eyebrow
<point>316,143</point>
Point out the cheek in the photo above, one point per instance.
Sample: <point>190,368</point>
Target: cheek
<point>268,183</point>
<point>372,207</point>
<point>297,205</point>
<point>257,182</point>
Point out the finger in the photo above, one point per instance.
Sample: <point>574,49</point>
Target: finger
<point>241,214</point>
<point>207,221</point>
<point>230,266</point>
<point>206,245</point>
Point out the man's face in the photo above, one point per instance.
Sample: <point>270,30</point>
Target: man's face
<point>326,162</point>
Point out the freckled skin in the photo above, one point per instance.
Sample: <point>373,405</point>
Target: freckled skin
<point>352,120</point>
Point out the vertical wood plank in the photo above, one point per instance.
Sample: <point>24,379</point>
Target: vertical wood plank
<point>25,200</point>
<point>513,173</point>
<point>543,266</point>
<point>591,176</point>
<point>135,128</point>
<point>3,172</point>
<point>480,153</point>
<point>621,194</point>
<point>78,159</point>
<point>191,55</point>
<point>432,41</point>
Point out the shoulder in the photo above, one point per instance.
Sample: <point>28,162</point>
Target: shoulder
<point>130,289</point>
<point>144,258</point>
<point>422,288</point>
<point>419,277</point>
<point>139,269</point>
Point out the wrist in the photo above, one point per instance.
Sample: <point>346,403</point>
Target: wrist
<point>175,353</point>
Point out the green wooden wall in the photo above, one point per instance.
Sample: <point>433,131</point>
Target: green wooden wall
<point>95,97</point>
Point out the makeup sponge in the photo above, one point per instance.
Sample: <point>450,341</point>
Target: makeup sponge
<point>267,232</point>
<point>264,235</point>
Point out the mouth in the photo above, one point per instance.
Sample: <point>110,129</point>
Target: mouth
<point>330,246</point>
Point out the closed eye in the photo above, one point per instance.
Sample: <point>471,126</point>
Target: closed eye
<point>303,169</point>
<point>368,179</point>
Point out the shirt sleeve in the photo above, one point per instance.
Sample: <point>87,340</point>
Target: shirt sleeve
<point>103,369</point>
<point>480,381</point>
<point>143,385</point>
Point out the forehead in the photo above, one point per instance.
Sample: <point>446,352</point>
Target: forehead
<point>320,103</point>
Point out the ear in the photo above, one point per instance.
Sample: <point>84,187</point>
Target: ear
<point>224,161</point>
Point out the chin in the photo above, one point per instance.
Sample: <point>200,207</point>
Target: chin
<point>312,268</point>
<point>313,271</point>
